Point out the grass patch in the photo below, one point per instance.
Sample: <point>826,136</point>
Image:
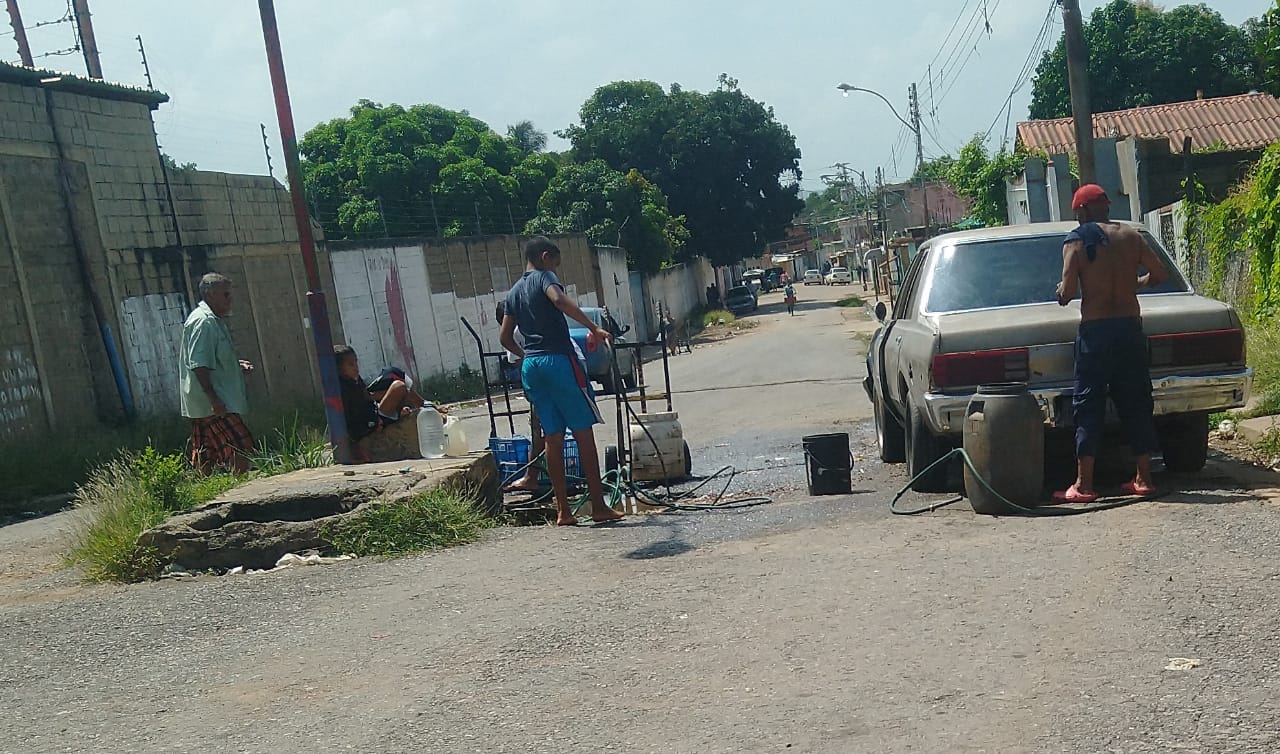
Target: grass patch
<point>431,521</point>
<point>718,317</point>
<point>851,301</point>
<point>290,447</point>
<point>453,386</point>
<point>123,498</point>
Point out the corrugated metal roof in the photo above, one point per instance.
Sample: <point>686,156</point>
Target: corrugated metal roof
<point>1244,121</point>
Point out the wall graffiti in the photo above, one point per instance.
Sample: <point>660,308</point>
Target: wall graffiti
<point>19,390</point>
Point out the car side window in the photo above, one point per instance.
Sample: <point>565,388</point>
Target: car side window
<point>910,289</point>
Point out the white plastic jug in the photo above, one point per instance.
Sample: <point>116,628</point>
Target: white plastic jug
<point>430,432</point>
<point>455,440</point>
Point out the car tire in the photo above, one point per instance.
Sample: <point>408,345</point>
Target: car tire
<point>922,450</point>
<point>1184,439</point>
<point>889,435</point>
<point>606,385</point>
<point>688,461</point>
<point>631,380</point>
<point>611,458</point>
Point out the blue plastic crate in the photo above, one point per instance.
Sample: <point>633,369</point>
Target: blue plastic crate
<point>511,454</point>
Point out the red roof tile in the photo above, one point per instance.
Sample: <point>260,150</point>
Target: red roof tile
<point>1244,121</point>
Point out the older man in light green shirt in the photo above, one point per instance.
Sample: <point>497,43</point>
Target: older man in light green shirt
<point>213,393</point>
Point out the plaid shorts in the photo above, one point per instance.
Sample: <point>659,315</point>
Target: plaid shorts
<point>217,439</point>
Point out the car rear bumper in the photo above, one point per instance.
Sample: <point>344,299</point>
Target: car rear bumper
<point>1173,395</point>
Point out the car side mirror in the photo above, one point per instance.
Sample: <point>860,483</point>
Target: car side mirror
<point>882,311</point>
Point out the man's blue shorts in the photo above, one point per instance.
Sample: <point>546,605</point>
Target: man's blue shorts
<point>560,392</point>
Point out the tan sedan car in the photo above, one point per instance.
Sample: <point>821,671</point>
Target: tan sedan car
<point>979,307</point>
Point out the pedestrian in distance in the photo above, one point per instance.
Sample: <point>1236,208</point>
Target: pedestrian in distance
<point>1102,261</point>
<point>212,392</point>
<point>554,381</point>
<point>790,293</point>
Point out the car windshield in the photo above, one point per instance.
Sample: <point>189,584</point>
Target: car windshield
<point>1012,272</point>
<point>739,291</point>
<point>838,269</point>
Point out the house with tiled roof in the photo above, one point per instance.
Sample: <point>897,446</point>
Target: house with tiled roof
<point>1242,122</point>
<point>1144,154</point>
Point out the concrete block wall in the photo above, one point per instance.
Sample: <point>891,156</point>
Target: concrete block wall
<point>680,289</point>
<point>401,300</point>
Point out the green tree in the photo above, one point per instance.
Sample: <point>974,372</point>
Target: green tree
<point>980,177</point>
<point>1264,35</point>
<point>418,171</point>
<point>1141,55</point>
<point>612,208</point>
<point>937,169</point>
<point>722,159</point>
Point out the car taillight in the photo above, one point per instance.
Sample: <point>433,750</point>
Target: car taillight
<point>1197,348</point>
<point>980,367</point>
<point>592,344</point>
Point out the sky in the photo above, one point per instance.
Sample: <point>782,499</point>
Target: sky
<point>540,59</point>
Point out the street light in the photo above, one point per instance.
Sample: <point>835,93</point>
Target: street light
<point>913,126</point>
<point>846,88</point>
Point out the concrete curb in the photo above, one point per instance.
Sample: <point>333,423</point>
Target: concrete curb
<point>1254,430</point>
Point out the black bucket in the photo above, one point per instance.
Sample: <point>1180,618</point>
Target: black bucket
<point>828,463</point>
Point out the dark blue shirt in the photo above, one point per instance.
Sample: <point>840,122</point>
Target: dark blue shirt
<point>545,330</point>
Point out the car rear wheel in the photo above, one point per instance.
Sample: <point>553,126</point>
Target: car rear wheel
<point>631,380</point>
<point>1185,442</point>
<point>924,449</point>
<point>889,435</point>
<point>606,385</point>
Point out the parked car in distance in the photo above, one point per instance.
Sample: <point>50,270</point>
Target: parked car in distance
<point>740,300</point>
<point>838,276</point>
<point>979,307</point>
<point>599,356</point>
<point>812,277</point>
<point>758,280</point>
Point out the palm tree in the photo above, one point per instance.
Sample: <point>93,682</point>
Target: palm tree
<point>527,137</point>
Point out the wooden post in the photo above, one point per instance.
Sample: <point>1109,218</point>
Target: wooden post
<point>1078,76</point>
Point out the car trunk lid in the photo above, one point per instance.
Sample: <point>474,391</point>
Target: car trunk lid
<point>1036,343</point>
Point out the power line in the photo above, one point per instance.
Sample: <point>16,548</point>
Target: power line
<point>1038,46</point>
<point>956,77</point>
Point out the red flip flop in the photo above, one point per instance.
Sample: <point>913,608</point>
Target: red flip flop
<point>1073,495</point>
<point>1132,488</point>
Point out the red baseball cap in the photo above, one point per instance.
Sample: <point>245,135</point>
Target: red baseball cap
<point>1088,194</point>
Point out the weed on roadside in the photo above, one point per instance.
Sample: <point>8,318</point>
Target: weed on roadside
<point>431,521</point>
<point>291,447</point>
<point>452,386</point>
<point>851,301</point>
<point>126,496</point>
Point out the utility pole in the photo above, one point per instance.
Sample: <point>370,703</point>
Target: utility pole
<point>317,307</point>
<point>924,185</point>
<point>1078,76</point>
<point>266,148</point>
<point>84,25</point>
<point>20,34</point>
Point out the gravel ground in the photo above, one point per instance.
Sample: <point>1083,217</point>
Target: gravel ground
<point>812,625</point>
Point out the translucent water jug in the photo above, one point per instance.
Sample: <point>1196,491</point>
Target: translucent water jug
<point>455,440</point>
<point>431,442</point>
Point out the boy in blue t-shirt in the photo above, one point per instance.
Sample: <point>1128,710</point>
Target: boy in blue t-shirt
<point>554,381</point>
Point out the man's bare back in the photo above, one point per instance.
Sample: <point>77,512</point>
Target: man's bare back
<point>1109,283</point>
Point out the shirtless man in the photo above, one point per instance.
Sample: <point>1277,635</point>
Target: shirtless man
<point>1101,259</point>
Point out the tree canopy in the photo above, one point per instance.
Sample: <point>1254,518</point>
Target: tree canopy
<point>1141,55</point>
<point>612,208</point>
<point>979,176</point>
<point>721,158</point>
<point>424,170</point>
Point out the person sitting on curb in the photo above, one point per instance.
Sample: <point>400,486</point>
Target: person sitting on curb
<point>369,408</point>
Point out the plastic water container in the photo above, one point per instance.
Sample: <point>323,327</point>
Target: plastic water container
<point>455,440</point>
<point>431,440</point>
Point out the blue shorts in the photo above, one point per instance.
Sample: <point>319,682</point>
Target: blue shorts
<point>560,392</point>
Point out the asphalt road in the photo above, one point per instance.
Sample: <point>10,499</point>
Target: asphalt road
<point>809,625</point>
